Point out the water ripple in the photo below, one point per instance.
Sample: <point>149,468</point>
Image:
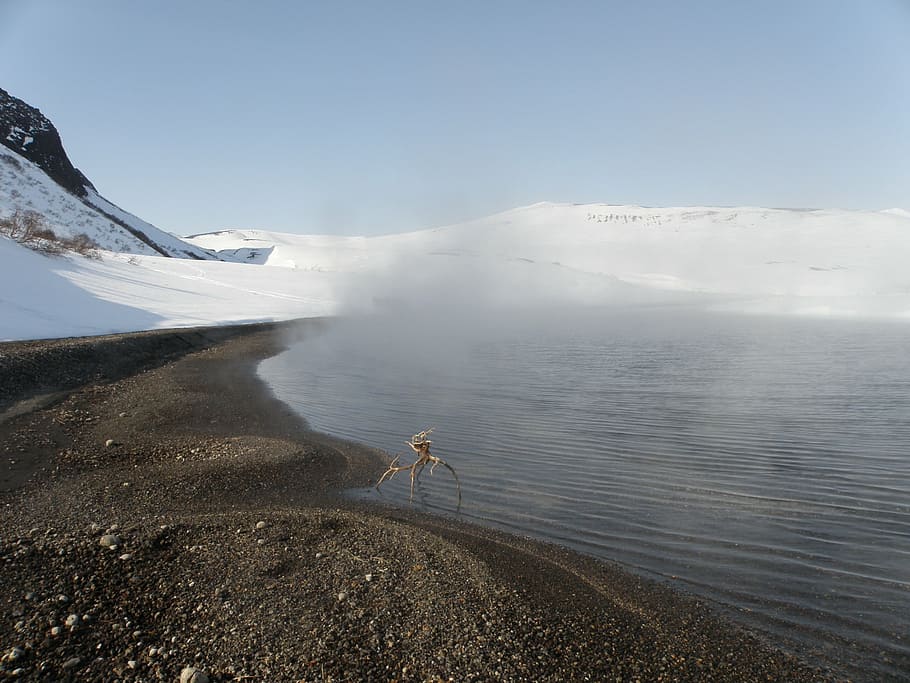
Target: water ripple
<point>764,467</point>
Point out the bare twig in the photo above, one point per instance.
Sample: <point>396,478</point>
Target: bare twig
<point>420,444</point>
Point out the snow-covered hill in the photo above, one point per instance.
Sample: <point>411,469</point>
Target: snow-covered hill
<point>824,262</point>
<point>781,260</point>
<point>36,175</point>
<point>42,297</point>
<point>24,186</point>
<point>549,256</point>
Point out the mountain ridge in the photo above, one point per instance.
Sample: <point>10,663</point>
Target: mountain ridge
<point>64,196</point>
<point>30,134</point>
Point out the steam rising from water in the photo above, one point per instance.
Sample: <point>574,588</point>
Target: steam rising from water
<point>432,307</point>
<point>755,458</point>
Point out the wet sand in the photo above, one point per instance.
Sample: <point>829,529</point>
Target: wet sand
<point>160,509</point>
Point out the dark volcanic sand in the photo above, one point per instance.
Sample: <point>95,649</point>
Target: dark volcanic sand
<point>236,556</point>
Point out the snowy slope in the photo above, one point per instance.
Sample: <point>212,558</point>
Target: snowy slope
<point>37,175</point>
<point>545,257</point>
<point>44,296</point>
<point>30,134</point>
<point>163,241</point>
<point>25,186</point>
<point>847,262</point>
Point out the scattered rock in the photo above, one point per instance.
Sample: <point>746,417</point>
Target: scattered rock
<point>261,525</point>
<point>72,663</point>
<point>193,675</point>
<point>56,631</point>
<point>14,655</point>
<point>73,620</point>
<point>122,415</point>
<point>265,633</point>
<point>110,443</point>
<point>110,541</point>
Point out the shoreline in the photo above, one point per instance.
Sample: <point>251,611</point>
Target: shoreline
<point>237,555</point>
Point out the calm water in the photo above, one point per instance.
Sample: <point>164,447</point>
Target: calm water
<point>763,464</point>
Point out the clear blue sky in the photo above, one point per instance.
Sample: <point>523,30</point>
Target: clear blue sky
<point>370,117</point>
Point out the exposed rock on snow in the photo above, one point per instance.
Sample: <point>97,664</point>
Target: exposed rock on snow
<point>37,175</point>
<point>29,133</point>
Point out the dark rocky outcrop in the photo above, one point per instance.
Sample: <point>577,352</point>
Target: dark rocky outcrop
<point>29,133</point>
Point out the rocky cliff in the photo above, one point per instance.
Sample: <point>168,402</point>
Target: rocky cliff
<point>29,133</point>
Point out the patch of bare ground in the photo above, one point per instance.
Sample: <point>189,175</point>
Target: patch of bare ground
<point>182,517</point>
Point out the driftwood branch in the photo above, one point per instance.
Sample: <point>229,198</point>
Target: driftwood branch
<point>420,444</point>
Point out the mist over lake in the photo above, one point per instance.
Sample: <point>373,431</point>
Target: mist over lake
<point>758,462</point>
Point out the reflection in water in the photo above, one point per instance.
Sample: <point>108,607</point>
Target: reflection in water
<point>763,464</point>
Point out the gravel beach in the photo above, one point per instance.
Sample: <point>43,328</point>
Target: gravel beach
<point>163,517</point>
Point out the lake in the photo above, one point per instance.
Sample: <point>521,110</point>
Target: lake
<point>760,463</point>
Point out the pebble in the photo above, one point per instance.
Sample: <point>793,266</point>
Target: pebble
<point>56,631</point>
<point>471,646</point>
<point>109,443</point>
<point>193,675</point>
<point>13,655</point>
<point>73,620</point>
<point>122,414</point>
<point>110,540</point>
<point>70,663</point>
<point>126,556</point>
<point>261,525</point>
